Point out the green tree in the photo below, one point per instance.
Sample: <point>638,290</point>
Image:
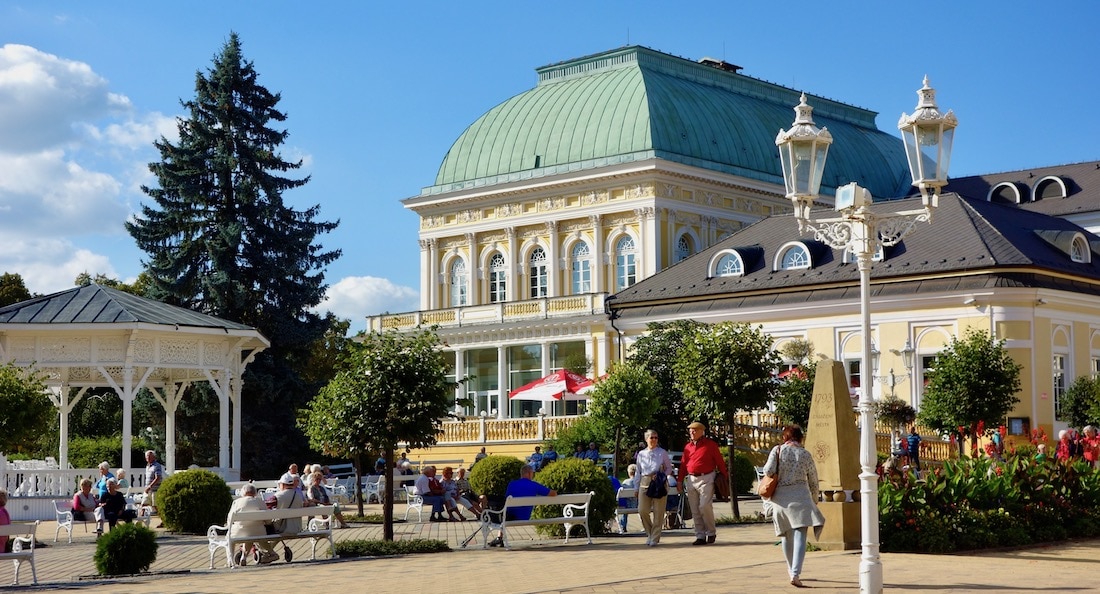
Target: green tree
<point>1080,404</point>
<point>27,408</point>
<point>12,289</point>
<point>724,368</point>
<point>795,394</point>
<point>392,389</point>
<point>896,412</point>
<point>626,399</point>
<point>137,288</point>
<point>974,385</point>
<point>220,240</point>
<point>656,351</point>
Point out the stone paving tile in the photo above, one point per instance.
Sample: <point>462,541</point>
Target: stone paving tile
<point>745,559</point>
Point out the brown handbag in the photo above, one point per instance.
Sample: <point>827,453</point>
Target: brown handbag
<point>767,484</point>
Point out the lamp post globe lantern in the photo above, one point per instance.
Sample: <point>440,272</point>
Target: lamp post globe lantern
<point>803,150</point>
<point>928,137</point>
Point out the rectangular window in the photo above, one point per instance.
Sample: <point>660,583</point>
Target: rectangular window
<point>481,368</point>
<point>1059,384</point>
<point>562,355</point>
<point>538,281</point>
<point>1095,367</point>
<point>852,366</point>
<point>582,277</point>
<point>1019,426</point>
<point>524,367</point>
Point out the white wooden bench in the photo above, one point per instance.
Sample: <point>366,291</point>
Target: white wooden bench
<point>22,547</point>
<point>630,493</point>
<point>317,529</point>
<point>574,512</point>
<point>63,511</point>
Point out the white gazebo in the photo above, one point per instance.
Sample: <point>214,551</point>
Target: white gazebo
<point>96,336</point>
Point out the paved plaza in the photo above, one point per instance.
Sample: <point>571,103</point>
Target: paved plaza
<point>745,559</point>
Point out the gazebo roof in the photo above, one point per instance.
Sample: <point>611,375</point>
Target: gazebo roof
<point>96,304</point>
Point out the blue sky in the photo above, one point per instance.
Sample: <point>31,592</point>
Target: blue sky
<point>375,94</point>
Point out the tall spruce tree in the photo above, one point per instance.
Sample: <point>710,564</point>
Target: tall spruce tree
<point>220,240</point>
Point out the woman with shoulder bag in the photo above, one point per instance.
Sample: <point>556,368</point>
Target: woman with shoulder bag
<point>653,465</point>
<point>794,503</point>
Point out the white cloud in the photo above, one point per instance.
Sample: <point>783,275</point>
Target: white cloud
<point>44,99</point>
<point>73,154</point>
<point>51,265</point>
<point>356,297</point>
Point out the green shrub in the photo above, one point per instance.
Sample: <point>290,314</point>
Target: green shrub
<point>126,549</point>
<point>490,476</point>
<point>584,431</point>
<point>193,500</point>
<point>381,548</point>
<point>744,473</point>
<point>577,476</point>
<point>88,452</point>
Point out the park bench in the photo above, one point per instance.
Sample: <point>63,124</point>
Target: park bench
<point>22,547</point>
<point>317,529</point>
<point>574,512</point>
<point>63,512</point>
<point>629,493</point>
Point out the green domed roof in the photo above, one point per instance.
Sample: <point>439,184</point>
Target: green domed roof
<point>635,103</point>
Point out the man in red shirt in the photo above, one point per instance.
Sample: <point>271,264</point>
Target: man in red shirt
<point>701,462</point>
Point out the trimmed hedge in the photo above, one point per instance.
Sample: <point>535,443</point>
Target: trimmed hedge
<point>191,501</point>
<point>382,548</point>
<point>126,549</point>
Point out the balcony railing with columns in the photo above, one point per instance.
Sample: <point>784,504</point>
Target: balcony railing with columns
<point>493,313</point>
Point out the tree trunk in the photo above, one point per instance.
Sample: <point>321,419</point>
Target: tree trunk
<point>357,462</point>
<point>387,497</point>
<point>729,477</point>
<point>615,452</point>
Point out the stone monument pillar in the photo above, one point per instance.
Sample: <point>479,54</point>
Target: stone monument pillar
<point>833,440</point>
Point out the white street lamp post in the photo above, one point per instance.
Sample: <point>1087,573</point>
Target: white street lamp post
<point>803,149</point>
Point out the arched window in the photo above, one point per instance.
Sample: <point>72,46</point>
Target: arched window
<point>582,269</point>
<point>497,278</point>
<point>458,283</point>
<point>1079,250</point>
<point>795,257</point>
<point>626,273</point>
<point>683,247</point>
<point>729,264</point>
<point>538,273</point>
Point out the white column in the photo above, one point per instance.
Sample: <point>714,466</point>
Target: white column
<point>514,272</point>
<point>502,382</point>
<point>127,395</point>
<point>648,245</point>
<point>603,354</point>
<point>460,364</point>
<point>433,273</point>
<point>870,567</point>
<point>668,248</point>
<point>223,420</point>
<point>238,409</point>
<point>426,279</point>
<point>553,267</point>
<point>599,256</point>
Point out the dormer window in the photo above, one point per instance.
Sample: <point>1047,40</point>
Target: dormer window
<point>727,263</point>
<point>1079,250</point>
<point>1049,187</point>
<point>793,256</point>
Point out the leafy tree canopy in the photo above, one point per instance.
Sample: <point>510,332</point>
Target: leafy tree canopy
<point>1080,405</point>
<point>627,399</point>
<point>392,388</point>
<point>12,289</point>
<point>656,351</point>
<point>724,368</point>
<point>974,385</point>
<point>27,409</point>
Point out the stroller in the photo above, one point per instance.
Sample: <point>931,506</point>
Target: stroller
<point>674,511</point>
<point>241,556</point>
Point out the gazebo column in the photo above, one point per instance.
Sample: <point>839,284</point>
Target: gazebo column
<point>169,397</point>
<point>60,398</point>
<point>235,393</point>
<point>127,396</point>
<point>221,385</point>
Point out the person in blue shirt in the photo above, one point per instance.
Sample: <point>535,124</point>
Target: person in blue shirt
<point>536,459</point>
<point>101,484</point>
<point>549,456</point>
<point>524,486</point>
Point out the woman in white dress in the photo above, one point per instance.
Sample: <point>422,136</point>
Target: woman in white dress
<point>794,504</point>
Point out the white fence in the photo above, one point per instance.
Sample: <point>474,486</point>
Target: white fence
<point>33,485</point>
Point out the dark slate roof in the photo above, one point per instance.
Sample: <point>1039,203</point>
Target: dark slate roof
<point>96,304</point>
<point>1082,182</point>
<point>966,235</point>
